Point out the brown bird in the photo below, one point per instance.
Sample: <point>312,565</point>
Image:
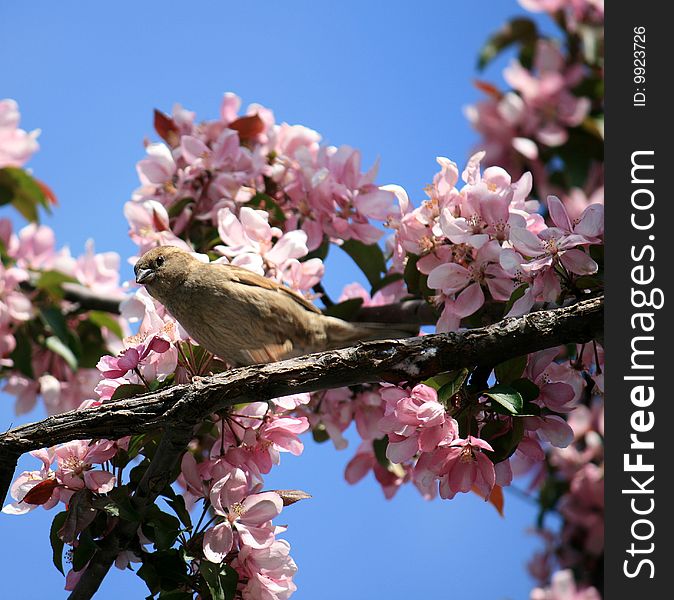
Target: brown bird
<point>242,317</point>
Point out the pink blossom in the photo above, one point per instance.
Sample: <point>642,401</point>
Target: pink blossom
<point>550,246</point>
<point>131,358</point>
<point>75,461</point>
<point>25,482</point>
<point>484,270</point>
<point>16,146</point>
<point>415,422</point>
<point>279,434</point>
<point>550,105</point>
<point>560,388</point>
<point>589,225</point>
<point>365,461</point>
<point>465,304</point>
<point>150,227</point>
<point>269,571</point>
<point>551,428</point>
<point>463,466</point>
<point>251,519</point>
<point>563,587</point>
<point>332,411</point>
<point>98,271</point>
<point>158,168</point>
<point>34,247</point>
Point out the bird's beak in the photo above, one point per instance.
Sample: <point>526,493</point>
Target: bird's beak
<point>145,276</point>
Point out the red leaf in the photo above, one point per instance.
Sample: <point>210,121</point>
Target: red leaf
<point>248,127</point>
<point>47,191</point>
<point>166,128</point>
<point>488,88</point>
<point>495,498</point>
<point>159,225</point>
<point>41,493</point>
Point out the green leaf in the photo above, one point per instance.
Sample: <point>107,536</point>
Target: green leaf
<point>135,445</point>
<point>504,437</point>
<point>379,446</point>
<point>80,515</point>
<point>177,503</point>
<point>88,344</point>
<point>164,571</point>
<point>166,528</point>
<point>344,310</point>
<point>176,595</point>
<point>516,31</point>
<point>54,320</point>
<point>83,551</point>
<point>588,282</point>
<point>320,434</point>
<point>148,573</point>
<point>128,390</point>
<point>512,369</point>
<point>416,281</point>
<point>23,192</point>
<point>51,281</point>
<point>515,296</point>
<point>453,386</point>
<point>22,355</point>
<point>320,252</point>
<point>118,504</point>
<point>527,389</point>
<point>179,206</point>
<point>382,283</point>
<point>58,347</point>
<point>56,541</point>
<point>597,254</point>
<point>229,580</point>
<point>102,319</point>
<point>211,574</point>
<point>265,202</point>
<point>506,397</point>
<point>369,258</point>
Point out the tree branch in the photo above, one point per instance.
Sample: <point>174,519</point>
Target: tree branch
<point>410,359</point>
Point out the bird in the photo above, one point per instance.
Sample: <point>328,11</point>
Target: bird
<point>244,318</point>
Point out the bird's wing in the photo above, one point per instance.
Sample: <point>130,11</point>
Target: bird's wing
<point>268,353</point>
<point>246,277</point>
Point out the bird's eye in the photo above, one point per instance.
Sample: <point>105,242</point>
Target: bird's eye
<point>159,261</point>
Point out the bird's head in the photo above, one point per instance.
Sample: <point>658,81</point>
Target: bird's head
<point>164,264</point>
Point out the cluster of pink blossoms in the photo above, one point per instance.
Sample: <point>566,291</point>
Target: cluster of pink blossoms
<point>563,587</point>
<point>16,145</point>
<point>33,252</point>
<point>213,175</point>
<point>76,463</point>
<point>550,122</point>
<point>229,478</point>
<point>580,544</point>
<point>575,11</point>
<point>488,238</point>
<point>423,437</point>
<point>535,114</point>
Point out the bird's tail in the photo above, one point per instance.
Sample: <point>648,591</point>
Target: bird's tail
<point>342,333</point>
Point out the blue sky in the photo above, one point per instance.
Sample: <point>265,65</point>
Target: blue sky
<point>388,78</point>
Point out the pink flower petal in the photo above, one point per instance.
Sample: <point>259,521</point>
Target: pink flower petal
<point>218,542</point>
<point>578,262</point>
<point>260,508</point>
